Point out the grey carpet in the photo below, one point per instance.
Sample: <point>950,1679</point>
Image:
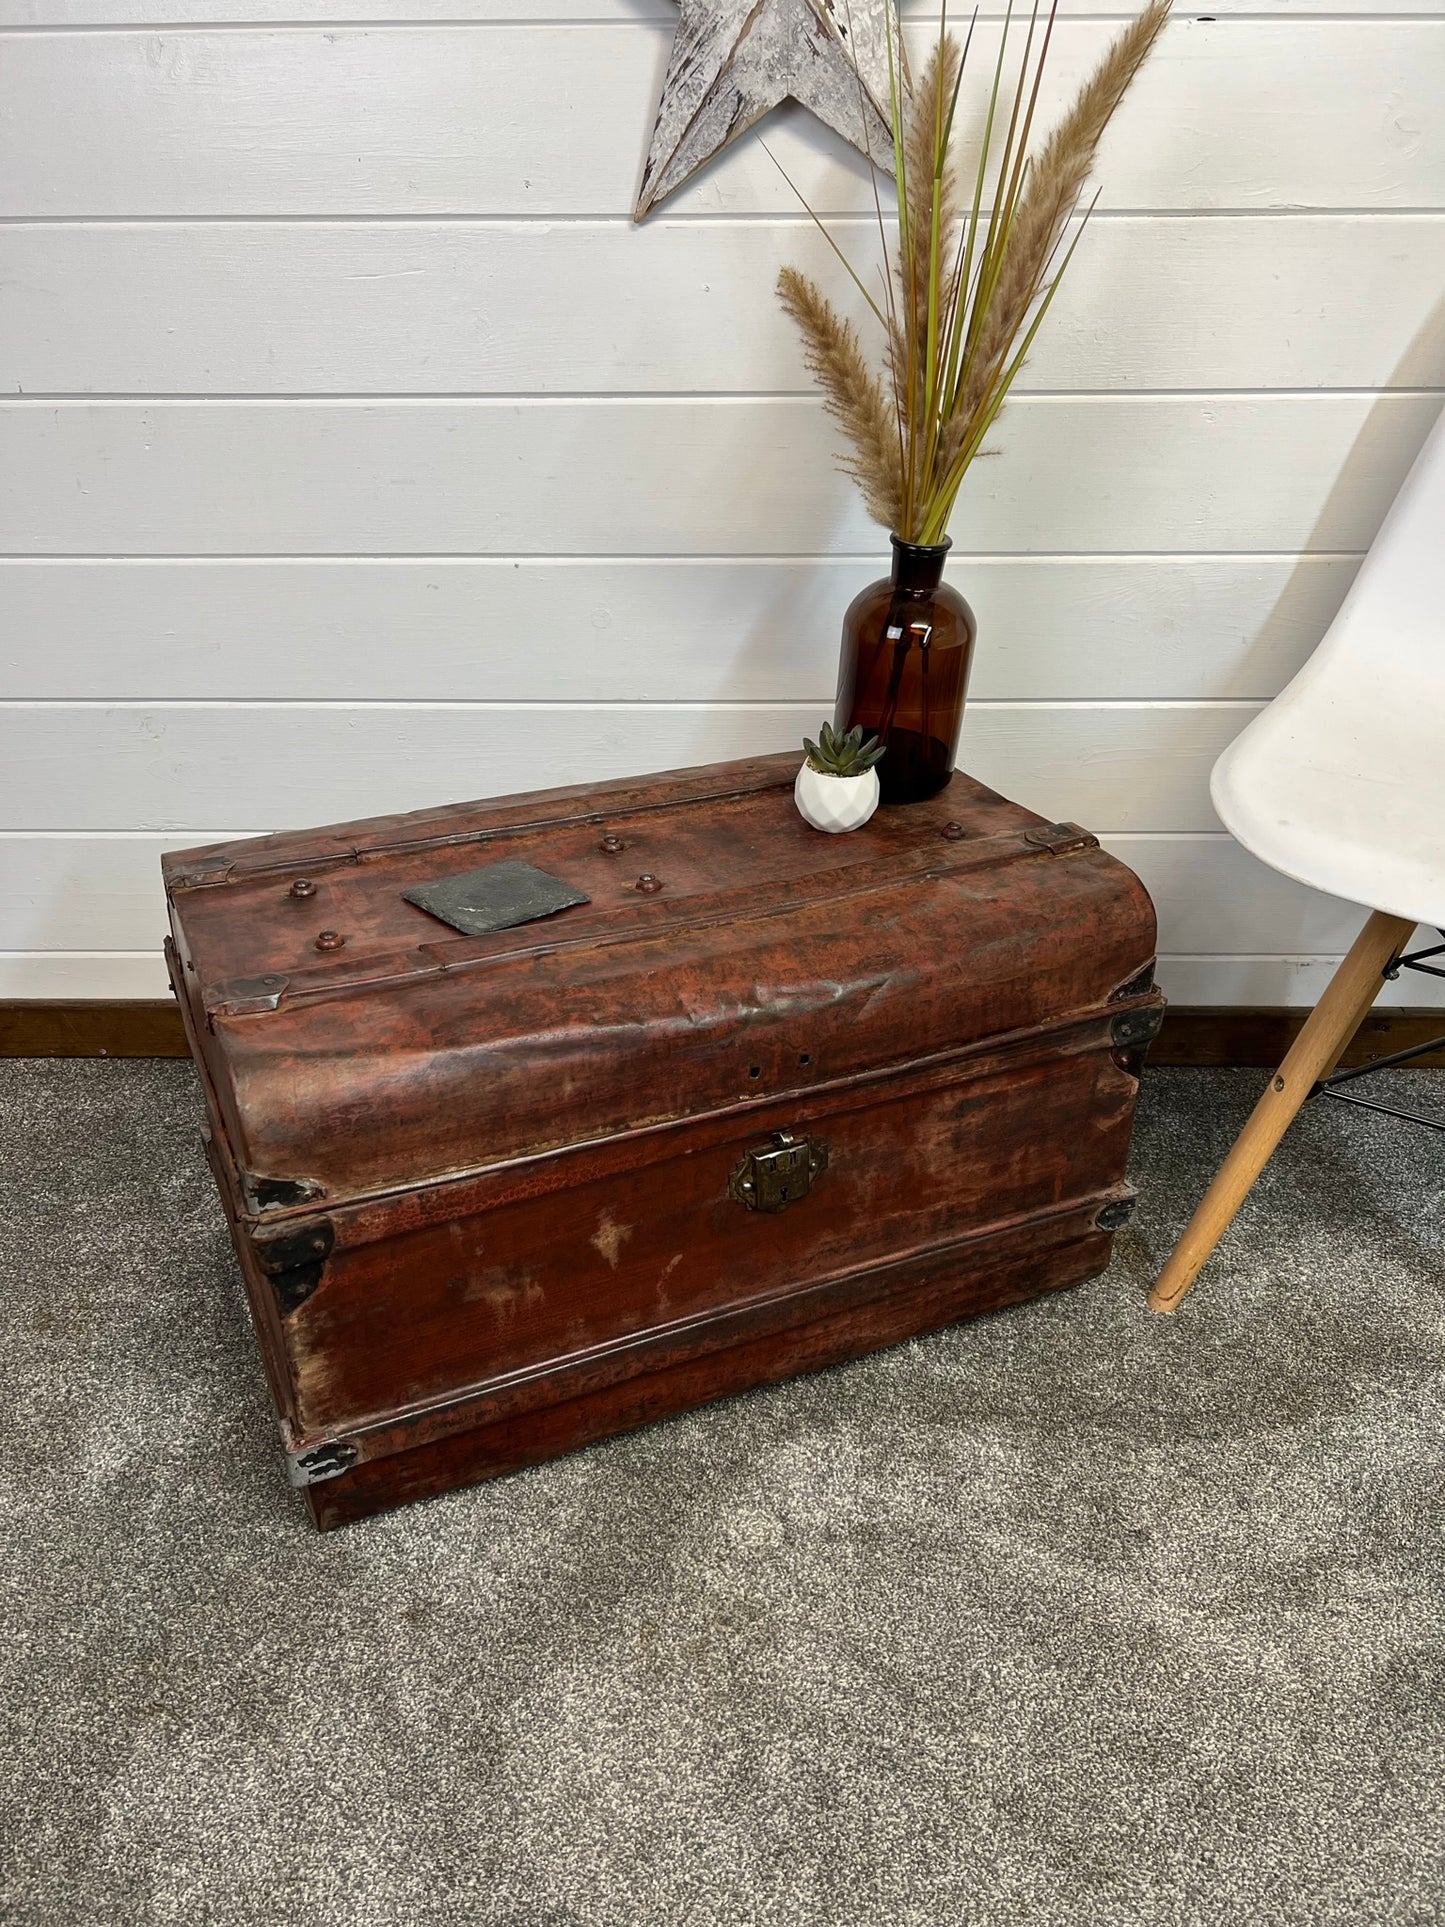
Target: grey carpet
<point>1069,1615</point>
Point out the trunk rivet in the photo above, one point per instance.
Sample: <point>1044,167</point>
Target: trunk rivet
<point>303,887</point>
<point>648,884</point>
<point>612,844</point>
<point>954,831</point>
<point>330,940</point>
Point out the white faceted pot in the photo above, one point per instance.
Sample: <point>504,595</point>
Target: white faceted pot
<point>835,803</point>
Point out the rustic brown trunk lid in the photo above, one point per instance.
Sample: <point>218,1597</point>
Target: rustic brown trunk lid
<point>759,966</point>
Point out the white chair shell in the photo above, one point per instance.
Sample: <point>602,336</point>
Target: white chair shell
<point>1340,783</point>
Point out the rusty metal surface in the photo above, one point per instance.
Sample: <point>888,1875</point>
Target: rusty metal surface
<point>473,1181</point>
<point>774,960</point>
<point>429,1452</point>
<point>580,1254</point>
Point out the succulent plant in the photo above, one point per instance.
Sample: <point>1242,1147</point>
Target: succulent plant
<point>835,755</point>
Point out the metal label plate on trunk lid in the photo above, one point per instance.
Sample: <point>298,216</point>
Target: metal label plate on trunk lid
<point>497,897</point>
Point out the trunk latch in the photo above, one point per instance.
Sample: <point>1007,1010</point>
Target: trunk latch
<point>778,1174</point>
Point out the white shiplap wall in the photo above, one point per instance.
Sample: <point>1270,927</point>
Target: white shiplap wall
<point>358,454</point>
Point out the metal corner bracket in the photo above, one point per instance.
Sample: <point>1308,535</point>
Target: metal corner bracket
<point>1116,1213</point>
<point>321,1462</point>
<point>1060,838</point>
<point>294,1260</point>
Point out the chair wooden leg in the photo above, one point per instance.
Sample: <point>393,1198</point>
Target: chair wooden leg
<point>1313,1055</point>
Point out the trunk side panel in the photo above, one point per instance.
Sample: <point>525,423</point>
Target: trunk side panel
<point>405,1315</point>
<point>905,1300</point>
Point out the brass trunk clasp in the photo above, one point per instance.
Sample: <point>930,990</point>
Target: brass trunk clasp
<point>779,1173</point>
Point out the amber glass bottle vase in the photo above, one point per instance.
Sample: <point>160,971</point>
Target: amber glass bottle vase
<point>907,647</point>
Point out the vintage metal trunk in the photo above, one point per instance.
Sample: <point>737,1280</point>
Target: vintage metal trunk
<point>767,1100</point>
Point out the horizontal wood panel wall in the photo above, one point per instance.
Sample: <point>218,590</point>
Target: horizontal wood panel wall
<point>544,118</point>
<point>357,453</point>
<point>114,15</point>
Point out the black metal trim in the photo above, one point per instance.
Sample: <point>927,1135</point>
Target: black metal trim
<point>1373,1104</point>
<point>1138,985</point>
<point>1132,1032</point>
<point>1415,960</point>
<point>1382,1063</point>
<point>1140,1026</point>
<point>321,1462</point>
<point>275,1194</point>
<point>294,1260</point>
<point>1060,838</point>
<point>1115,1214</point>
<point>1330,1086</point>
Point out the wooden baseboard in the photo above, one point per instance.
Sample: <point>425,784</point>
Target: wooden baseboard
<point>92,1029</point>
<point>1224,1036</point>
<point>1231,1035</point>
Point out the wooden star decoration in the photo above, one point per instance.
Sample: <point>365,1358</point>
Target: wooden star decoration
<point>734,60</point>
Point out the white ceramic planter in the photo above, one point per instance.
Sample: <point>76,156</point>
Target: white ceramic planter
<point>835,803</point>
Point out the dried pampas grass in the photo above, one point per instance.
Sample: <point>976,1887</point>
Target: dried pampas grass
<point>855,396</point>
<point>969,290</point>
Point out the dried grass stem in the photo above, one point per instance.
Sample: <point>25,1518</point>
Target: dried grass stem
<point>971,291</point>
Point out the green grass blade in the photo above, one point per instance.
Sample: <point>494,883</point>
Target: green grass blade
<point>852,271</point>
